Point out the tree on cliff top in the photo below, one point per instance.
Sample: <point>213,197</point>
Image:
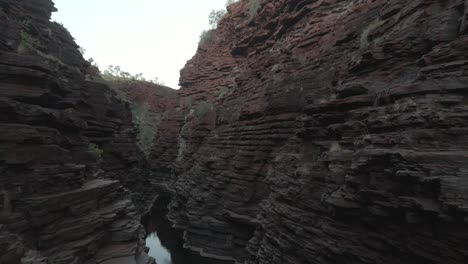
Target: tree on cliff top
<point>116,73</point>
<point>213,19</point>
<point>215,16</point>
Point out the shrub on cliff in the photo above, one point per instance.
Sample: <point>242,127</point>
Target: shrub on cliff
<point>146,122</point>
<point>206,36</point>
<point>203,108</point>
<point>223,92</point>
<point>215,16</point>
<point>213,20</point>
<point>28,41</point>
<point>95,151</point>
<point>254,6</point>
<point>82,50</point>
<point>93,63</point>
<point>115,73</point>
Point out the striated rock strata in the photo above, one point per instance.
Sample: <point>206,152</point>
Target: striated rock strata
<point>315,131</point>
<point>65,142</point>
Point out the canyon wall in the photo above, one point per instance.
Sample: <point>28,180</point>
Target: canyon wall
<point>324,131</point>
<point>67,145</point>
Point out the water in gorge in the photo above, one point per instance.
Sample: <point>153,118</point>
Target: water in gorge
<point>165,242</point>
<point>157,250</point>
<point>162,240</point>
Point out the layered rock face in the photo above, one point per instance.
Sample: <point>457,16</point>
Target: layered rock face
<point>65,142</point>
<point>325,132</point>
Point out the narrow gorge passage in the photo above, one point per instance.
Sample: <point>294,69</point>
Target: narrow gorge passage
<point>303,132</point>
<point>166,246</point>
<point>161,253</point>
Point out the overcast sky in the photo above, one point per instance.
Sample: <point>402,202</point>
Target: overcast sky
<point>154,37</point>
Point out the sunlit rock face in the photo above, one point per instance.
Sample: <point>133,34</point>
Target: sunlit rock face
<point>324,132</point>
<point>65,142</point>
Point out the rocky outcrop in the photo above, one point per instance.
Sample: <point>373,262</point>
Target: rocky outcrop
<point>325,132</point>
<point>65,141</point>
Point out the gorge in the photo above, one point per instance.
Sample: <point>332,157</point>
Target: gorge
<point>304,131</point>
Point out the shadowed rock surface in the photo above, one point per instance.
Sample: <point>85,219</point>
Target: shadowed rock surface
<point>306,131</point>
<point>67,144</point>
<point>324,132</point>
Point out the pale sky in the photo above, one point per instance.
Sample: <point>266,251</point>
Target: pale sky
<point>154,37</point>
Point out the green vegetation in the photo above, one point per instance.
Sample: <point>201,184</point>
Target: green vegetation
<point>186,130</point>
<point>186,103</point>
<point>367,33</point>
<point>147,124</point>
<point>27,25</point>
<point>93,63</point>
<point>182,148</point>
<point>28,41</point>
<point>254,6</point>
<point>81,50</point>
<point>115,73</point>
<point>197,113</point>
<point>213,19</point>
<point>215,16</point>
<point>223,92</point>
<point>95,151</point>
<point>66,30</point>
<point>202,109</point>
<point>6,203</point>
<point>145,121</point>
<point>381,96</point>
<point>206,36</point>
<point>194,116</point>
<point>31,45</point>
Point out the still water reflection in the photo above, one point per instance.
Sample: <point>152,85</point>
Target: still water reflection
<point>165,243</point>
<point>157,250</point>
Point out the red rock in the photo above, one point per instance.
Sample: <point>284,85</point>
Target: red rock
<point>59,202</point>
<point>311,112</point>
